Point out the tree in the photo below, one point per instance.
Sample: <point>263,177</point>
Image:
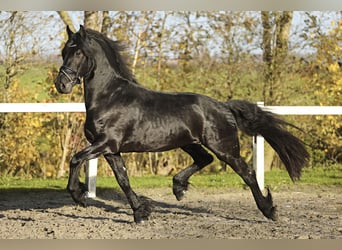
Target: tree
<point>14,56</point>
<point>211,53</point>
<point>106,22</point>
<point>96,20</point>
<point>66,20</point>
<point>92,20</point>
<point>326,81</point>
<point>275,38</point>
<point>145,20</point>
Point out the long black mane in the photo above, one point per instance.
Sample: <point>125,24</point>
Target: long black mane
<point>114,51</point>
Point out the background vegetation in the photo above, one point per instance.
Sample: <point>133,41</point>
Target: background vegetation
<point>281,58</point>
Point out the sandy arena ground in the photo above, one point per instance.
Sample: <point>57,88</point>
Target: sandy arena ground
<point>304,213</point>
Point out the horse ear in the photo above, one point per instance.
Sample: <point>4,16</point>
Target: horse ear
<point>70,33</point>
<point>83,32</point>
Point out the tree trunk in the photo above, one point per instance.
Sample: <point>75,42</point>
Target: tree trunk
<point>274,56</point>
<point>91,20</point>
<point>65,146</point>
<point>106,22</point>
<point>66,19</point>
<point>142,36</point>
<point>267,53</point>
<point>160,51</point>
<point>283,22</point>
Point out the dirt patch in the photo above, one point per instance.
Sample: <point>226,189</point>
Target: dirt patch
<point>304,213</point>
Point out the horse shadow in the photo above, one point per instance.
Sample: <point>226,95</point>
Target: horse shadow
<point>108,199</point>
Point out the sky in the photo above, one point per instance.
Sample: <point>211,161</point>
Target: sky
<point>51,42</point>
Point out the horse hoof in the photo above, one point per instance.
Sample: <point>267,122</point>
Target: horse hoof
<point>138,219</point>
<point>180,195</point>
<point>143,212</point>
<point>179,189</point>
<point>274,214</point>
<point>139,222</point>
<point>80,198</point>
<point>83,203</point>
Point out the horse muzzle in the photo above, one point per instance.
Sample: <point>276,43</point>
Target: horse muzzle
<point>66,80</point>
<point>63,88</point>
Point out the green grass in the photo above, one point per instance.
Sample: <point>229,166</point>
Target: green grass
<point>276,179</point>
<point>33,80</point>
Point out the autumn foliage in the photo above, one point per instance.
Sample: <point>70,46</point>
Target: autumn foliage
<point>176,58</point>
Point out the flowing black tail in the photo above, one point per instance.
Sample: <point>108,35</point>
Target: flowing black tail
<point>254,121</point>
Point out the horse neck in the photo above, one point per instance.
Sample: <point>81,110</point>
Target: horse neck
<point>101,85</point>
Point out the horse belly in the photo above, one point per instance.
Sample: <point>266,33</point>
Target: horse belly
<point>158,139</point>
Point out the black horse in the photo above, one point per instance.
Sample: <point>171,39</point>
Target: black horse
<point>123,116</point>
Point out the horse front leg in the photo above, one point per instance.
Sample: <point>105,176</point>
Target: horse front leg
<point>77,189</point>
<point>141,207</point>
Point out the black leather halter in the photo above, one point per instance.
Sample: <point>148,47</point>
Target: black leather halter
<point>68,71</point>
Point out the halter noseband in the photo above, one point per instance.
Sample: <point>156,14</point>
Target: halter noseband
<point>67,71</point>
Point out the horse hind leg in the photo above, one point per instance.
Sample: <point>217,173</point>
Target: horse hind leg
<point>201,159</point>
<point>228,150</point>
<point>247,173</point>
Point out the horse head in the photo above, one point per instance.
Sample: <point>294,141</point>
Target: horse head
<point>76,63</point>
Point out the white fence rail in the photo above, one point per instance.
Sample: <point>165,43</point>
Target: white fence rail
<point>41,107</point>
<point>91,167</point>
<point>258,141</point>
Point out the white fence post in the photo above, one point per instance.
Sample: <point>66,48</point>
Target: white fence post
<point>258,141</point>
<point>90,178</point>
<point>258,156</point>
